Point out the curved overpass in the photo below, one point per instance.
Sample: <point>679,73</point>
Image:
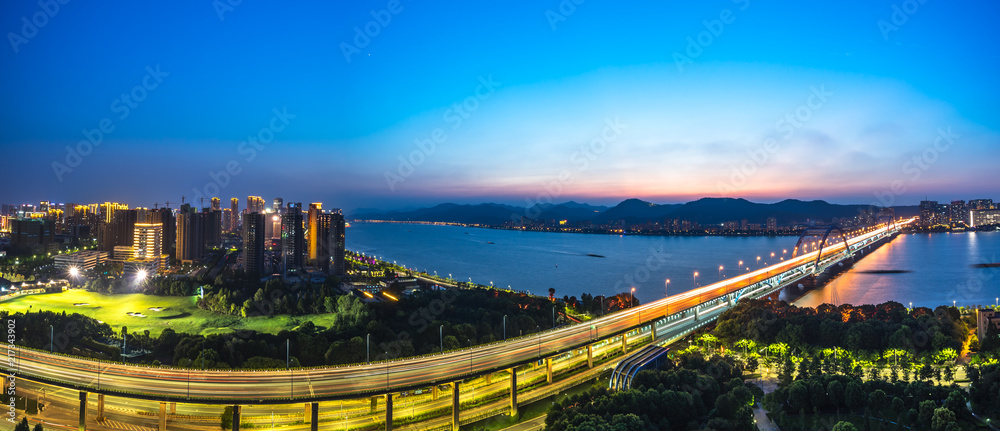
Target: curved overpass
<point>329,383</point>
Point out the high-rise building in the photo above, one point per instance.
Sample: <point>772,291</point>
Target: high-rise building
<point>336,243</point>
<point>772,224</point>
<point>959,213</point>
<point>234,221</point>
<point>147,248</point>
<point>981,204</point>
<point>213,228</point>
<point>216,204</point>
<point>928,211</point>
<point>253,244</point>
<point>292,237</point>
<point>119,232</point>
<point>32,235</point>
<point>190,235</point>
<point>317,232</point>
<point>255,204</point>
<point>108,209</point>
<point>165,217</point>
<point>981,218</point>
<point>278,206</point>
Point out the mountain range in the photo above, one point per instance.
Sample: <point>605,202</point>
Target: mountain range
<point>705,211</point>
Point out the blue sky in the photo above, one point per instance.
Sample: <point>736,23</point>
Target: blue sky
<point>597,101</point>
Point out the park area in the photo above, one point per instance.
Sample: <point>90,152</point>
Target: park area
<point>140,312</point>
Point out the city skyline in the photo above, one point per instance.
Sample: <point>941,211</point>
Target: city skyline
<point>389,105</point>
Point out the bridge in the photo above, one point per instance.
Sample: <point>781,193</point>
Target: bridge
<point>570,349</point>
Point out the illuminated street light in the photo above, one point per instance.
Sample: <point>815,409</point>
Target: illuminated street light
<point>720,272</point>
<point>141,275</point>
<point>696,279</point>
<point>74,271</point>
<point>666,287</point>
<point>632,302</point>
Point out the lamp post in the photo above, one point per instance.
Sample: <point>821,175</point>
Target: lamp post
<point>631,302</point>
<point>696,279</point>
<point>720,272</point>
<point>667,287</point>
<point>741,265</point>
<point>504,327</point>
<point>758,262</point>
<point>441,333</point>
<point>368,349</point>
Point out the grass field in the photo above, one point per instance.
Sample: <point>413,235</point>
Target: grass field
<point>178,313</point>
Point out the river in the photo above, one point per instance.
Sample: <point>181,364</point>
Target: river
<point>934,269</point>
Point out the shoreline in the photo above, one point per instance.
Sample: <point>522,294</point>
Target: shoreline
<point>699,233</point>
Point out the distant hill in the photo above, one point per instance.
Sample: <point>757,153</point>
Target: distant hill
<point>705,211</point>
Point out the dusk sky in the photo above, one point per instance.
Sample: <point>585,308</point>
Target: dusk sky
<point>529,101</point>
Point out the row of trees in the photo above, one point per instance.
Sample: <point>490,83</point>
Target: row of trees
<point>864,329</point>
<point>696,394</point>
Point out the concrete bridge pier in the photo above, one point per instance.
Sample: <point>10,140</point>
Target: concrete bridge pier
<point>311,415</point>
<point>652,330</point>
<point>590,356</point>
<point>374,405</point>
<point>625,344</point>
<point>100,407</point>
<point>83,411</point>
<point>455,423</point>
<point>489,379</point>
<point>388,412</point>
<point>513,392</point>
<point>697,313</point>
<point>163,417</point>
<point>548,370</point>
<point>173,408</point>
<point>237,410</point>
<point>434,392</point>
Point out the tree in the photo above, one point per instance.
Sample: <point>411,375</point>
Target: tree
<point>844,426</point>
<point>226,418</point>
<point>38,427</point>
<point>926,411</point>
<point>854,396</point>
<point>877,400</point>
<point>943,420</point>
<point>23,425</point>
<point>898,407</point>
<point>835,393</point>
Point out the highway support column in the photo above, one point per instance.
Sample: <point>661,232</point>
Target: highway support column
<point>173,408</point>
<point>548,370</point>
<point>513,392</point>
<point>652,330</point>
<point>100,407</point>
<point>306,414</point>
<point>697,313</point>
<point>236,417</point>
<point>83,411</point>
<point>625,344</point>
<point>434,392</point>
<point>314,424</point>
<point>489,379</point>
<point>590,356</point>
<point>455,424</point>
<point>388,412</point>
<point>374,405</point>
<point>163,417</point>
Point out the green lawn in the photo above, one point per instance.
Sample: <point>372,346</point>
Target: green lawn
<point>178,313</point>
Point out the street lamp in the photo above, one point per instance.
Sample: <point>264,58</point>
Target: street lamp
<point>504,328</point>
<point>758,262</point>
<point>696,279</point>
<point>741,265</point>
<point>666,287</point>
<point>441,333</point>
<point>720,272</point>
<point>74,271</point>
<point>631,302</point>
